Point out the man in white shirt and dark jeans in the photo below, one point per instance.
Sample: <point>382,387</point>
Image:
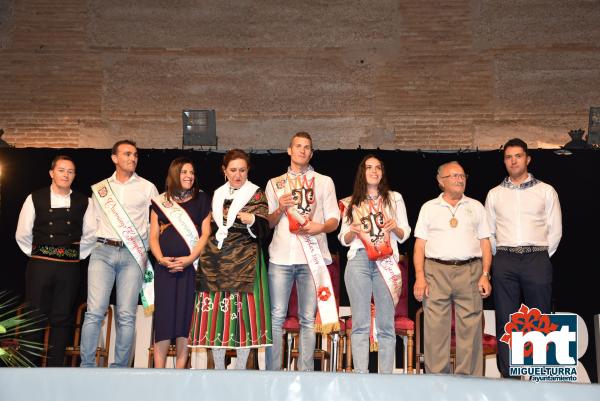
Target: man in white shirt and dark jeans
<point>526,226</point>
<point>315,194</point>
<point>111,260</point>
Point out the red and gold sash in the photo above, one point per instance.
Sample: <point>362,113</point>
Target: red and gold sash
<point>303,192</point>
<point>372,217</point>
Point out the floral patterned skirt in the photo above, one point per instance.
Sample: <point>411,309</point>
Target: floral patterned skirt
<point>233,319</point>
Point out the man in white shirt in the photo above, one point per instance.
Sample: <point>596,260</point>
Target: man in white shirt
<point>288,262</point>
<point>55,230</point>
<point>452,259</point>
<point>112,261</point>
<point>526,227</point>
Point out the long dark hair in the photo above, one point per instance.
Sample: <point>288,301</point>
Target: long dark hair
<point>360,186</point>
<point>173,181</point>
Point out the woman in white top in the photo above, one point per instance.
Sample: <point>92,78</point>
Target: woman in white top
<point>373,221</point>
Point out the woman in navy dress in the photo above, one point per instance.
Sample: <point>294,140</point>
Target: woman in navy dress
<point>174,270</point>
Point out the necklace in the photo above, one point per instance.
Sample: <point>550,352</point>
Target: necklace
<point>454,220</point>
<point>182,195</point>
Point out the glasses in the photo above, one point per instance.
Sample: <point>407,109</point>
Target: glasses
<point>456,176</point>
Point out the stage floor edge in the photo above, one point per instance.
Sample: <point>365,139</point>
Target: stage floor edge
<point>168,384</point>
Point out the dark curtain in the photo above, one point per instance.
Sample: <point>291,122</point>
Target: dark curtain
<point>410,173</point>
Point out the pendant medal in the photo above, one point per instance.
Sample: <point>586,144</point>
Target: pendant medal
<point>453,222</point>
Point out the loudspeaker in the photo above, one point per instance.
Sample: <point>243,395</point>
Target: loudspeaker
<point>199,128</point>
<point>593,137</point>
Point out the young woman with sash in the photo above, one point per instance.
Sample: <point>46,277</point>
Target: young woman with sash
<point>374,220</point>
<point>179,230</point>
<point>232,307</point>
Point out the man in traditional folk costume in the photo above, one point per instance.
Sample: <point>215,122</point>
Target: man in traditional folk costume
<point>55,229</point>
<point>232,308</point>
<point>373,222</point>
<point>452,259</point>
<point>526,226</point>
<point>302,208</point>
<point>121,208</point>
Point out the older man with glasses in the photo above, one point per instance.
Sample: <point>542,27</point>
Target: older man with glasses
<point>452,259</point>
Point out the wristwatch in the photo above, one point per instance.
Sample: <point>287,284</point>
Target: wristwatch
<point>487,274</point>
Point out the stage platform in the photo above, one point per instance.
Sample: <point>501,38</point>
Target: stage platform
<point>174,385</point>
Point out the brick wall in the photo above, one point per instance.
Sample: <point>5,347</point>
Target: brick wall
<point>386,73</point>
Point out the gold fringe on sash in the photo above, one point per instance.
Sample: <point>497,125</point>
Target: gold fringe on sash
<point>327,328</point>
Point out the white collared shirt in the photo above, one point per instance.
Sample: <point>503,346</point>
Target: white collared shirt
<point>452,243</point>
<point>524,215</point>
<point>24,233</point>
<point>285,248</point>
<point>399,213</point>
<point>135,196</point>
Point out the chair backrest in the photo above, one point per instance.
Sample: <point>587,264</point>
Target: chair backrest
<point>334,273</point>
<point>402,306</point>
<point>103,340</point>
<point>78,323</point>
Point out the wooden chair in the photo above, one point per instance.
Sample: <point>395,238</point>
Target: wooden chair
<point>490,345</point>
<point>39,321</point>
<point>171,352</point>
<point>46,342</point>
<point>404,326</point>
<point>74,351</point>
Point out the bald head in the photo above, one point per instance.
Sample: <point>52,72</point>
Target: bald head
<point>442,169</point>
<point>452,179</point>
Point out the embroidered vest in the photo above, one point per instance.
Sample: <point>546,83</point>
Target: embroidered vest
<point>56,229</point>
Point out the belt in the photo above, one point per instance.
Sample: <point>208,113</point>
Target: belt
<point>454,262</point>
<point>522,249</point>
<point>63,253</point>
<point>106,241</point>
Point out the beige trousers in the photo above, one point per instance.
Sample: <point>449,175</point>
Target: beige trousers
<point>450,285</point>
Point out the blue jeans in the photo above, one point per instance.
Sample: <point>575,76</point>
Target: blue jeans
<point>108,263</point>
<point>281,279</point>
<point>362,279</point>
